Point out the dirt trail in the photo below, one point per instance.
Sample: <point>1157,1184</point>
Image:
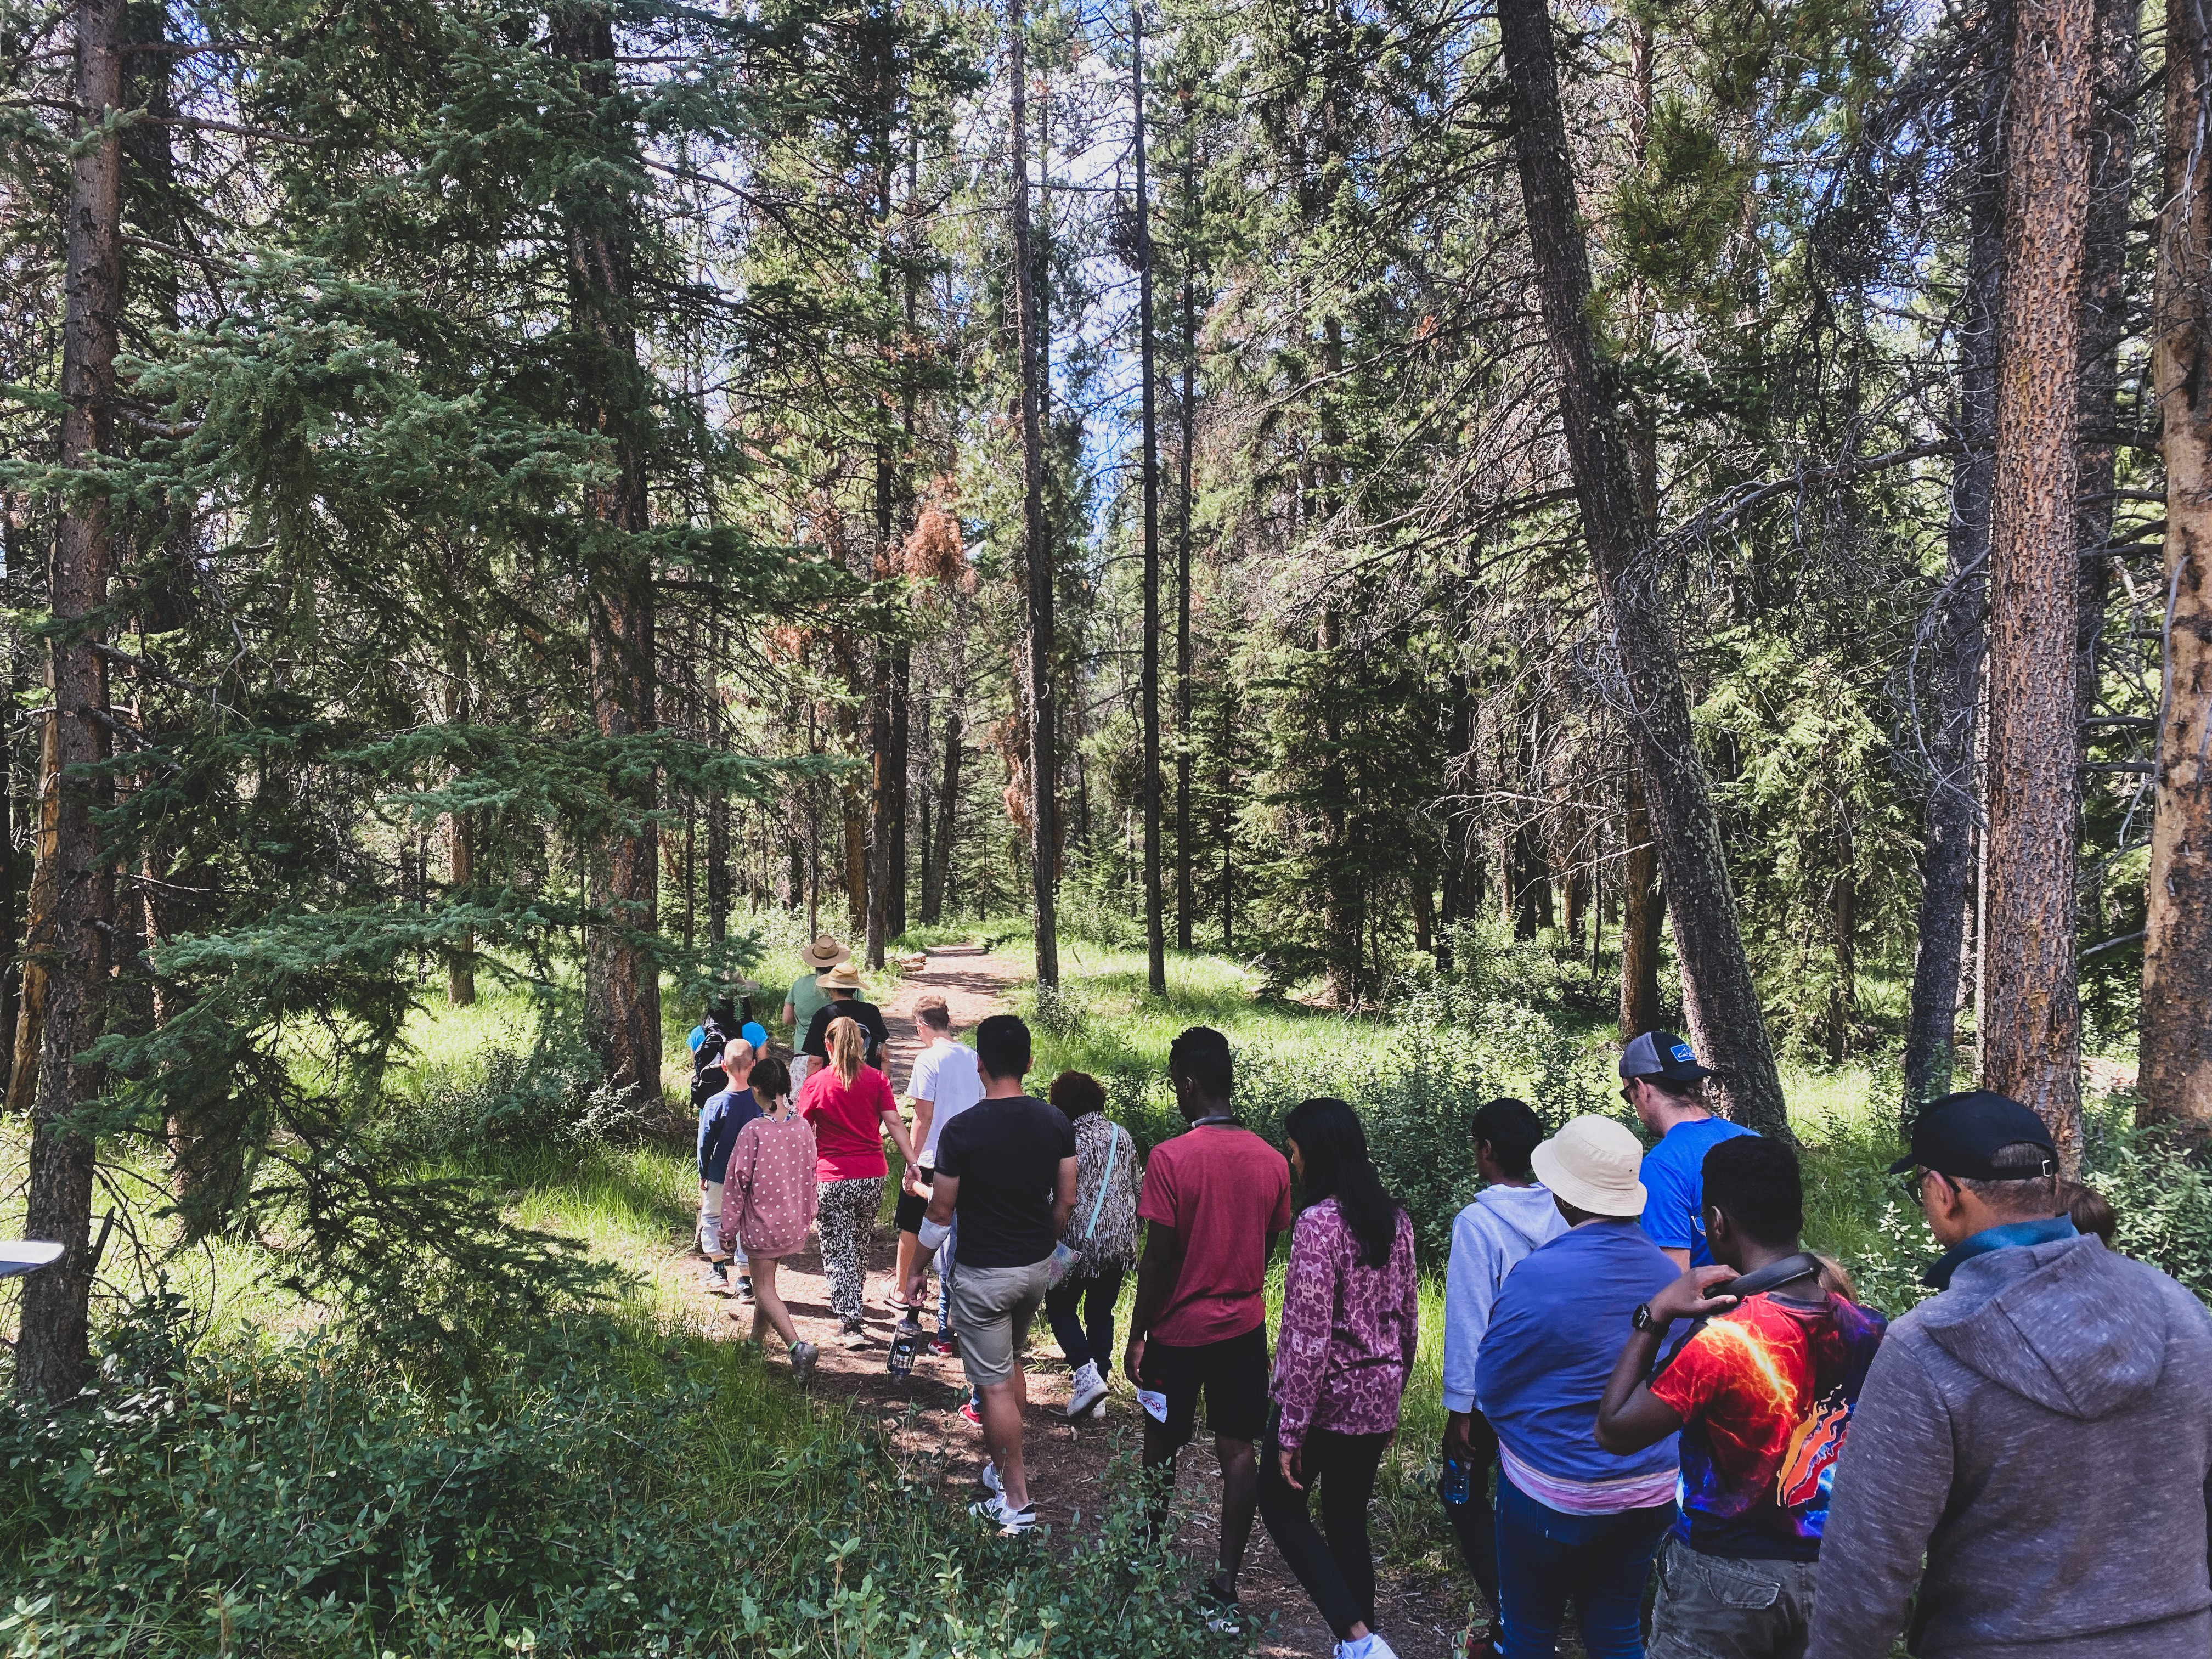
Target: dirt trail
<point>921,1416</point>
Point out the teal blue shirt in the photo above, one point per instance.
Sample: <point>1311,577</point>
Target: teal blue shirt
<point>1995,1239</point>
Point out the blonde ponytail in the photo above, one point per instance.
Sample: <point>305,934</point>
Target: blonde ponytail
<point>848,1047</point>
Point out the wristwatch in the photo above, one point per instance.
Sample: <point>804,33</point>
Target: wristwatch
<point>1642,1319</point>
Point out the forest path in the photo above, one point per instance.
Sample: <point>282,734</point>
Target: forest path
<point>920,1416</point>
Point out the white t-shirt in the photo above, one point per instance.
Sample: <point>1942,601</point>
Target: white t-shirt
<point>943,1073</point>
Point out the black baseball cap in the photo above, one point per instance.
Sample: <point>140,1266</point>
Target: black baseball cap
<point>1957,1134</point>
<point>1660,1053</point>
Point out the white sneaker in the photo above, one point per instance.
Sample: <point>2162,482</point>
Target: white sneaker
<point>1370,1646</point>
<point>1009,1522</point>
<point>988,1480</point>
<point>1087,1389</point>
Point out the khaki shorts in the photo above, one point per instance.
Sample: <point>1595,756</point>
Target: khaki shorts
<point>992,1309</point>
<point>1726,1607</point>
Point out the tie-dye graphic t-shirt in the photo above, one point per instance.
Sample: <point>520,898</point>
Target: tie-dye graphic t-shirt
<point>1766,1391</point>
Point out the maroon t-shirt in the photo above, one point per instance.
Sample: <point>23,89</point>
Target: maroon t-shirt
<point>1223,1190</point>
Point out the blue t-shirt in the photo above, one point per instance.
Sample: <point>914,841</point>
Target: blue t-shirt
<point>719,1120</point>
<point>1674,1185</point>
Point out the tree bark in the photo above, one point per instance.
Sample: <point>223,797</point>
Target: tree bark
<point>948,816</point>
<point>1156,941</point>
<point>1723,1004</point>
<point>1953,638</point>
<point>461,853</point>
<point>1641,917</point>
<point>2104,324</point>
<point>880,793</point>
<point>2175,1076</point>
<point>1042,701</point>
<point>1842,995</point>
<point>1186,904</point>
<point>2032,1049</point>
<point>622,988</point>
<point>75,883</point>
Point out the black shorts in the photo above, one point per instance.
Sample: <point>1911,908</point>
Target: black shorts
<point>1234,1374</point>
<point>907,1214</point>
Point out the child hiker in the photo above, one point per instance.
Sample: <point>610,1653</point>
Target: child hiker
<point>768,1202</point>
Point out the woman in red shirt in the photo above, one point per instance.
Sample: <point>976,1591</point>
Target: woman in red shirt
<point>851,1106</point>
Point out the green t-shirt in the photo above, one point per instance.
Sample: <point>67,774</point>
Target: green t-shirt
<point>805,997</point>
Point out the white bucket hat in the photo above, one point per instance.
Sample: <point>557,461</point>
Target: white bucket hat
<point>1591,1164</point>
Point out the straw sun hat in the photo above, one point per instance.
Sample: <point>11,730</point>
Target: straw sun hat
<point>1591,1164</point>
<point>824,952</point>
<point>844,977</point>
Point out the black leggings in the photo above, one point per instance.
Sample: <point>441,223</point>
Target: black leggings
<point>1090,1337</point>
<point>1340,1573</point>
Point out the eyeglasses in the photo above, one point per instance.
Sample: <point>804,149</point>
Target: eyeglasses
<point>1915,1180</point>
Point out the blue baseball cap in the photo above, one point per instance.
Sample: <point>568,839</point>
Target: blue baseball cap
<point>1660,1053</point>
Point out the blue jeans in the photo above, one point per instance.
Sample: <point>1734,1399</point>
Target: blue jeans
<point>1090,1336</point>
<point>1601,1561</point>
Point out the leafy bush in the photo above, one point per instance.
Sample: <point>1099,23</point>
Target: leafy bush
<point>550,1095</point>
<point>602,1493</point>
<point>2158,1191</point>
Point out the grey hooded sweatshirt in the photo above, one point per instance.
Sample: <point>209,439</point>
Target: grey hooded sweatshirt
<point>2042,1432</point>
<point>1490,1235</point>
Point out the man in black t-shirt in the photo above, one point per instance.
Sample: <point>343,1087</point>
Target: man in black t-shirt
<point>1006,1169</point>
<point>842,982</point>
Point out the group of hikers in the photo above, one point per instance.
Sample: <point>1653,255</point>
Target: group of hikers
<point>1644,1369</point>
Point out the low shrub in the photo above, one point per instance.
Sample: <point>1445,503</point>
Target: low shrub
<point>607,1491</point>
<point>552,1094</point>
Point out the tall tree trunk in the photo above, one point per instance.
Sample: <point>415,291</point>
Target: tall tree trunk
<point>622,987</point>
<point>894,811</point>
<point>948,815</point>
<point>1842,995</point>
<point>2033,1048</point>
<point>1186,904</point>
<point>1642,916</point>
<point>1340,924</point>
<point>2104,323</point>
<point>11,884</point>
<point>718,898</point>
<point>2176,1052</point>
<point>1156,938</point>
<point>925,803</point>
<point>879,780</point>
<point>461,853</point>
<point>1041,700</point>
<point>76,885</point>
<point>1725,1016</point>
<point>204,1167</point>
<point>1949,651</point>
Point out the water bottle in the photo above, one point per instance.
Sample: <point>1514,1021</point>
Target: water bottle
<point>1457,1484</point>
<point>906,1342</point>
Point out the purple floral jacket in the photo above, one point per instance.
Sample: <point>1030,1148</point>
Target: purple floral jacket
<point>1349,1331</point>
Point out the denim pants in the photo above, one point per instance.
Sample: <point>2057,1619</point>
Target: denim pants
<point>1091,1336</point>
<point>1546,1556</point>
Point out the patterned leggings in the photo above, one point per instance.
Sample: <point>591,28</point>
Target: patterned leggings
<point>847,1219</point>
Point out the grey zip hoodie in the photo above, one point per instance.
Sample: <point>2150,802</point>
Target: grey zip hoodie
<point>1499,1229</point>
<point>2042,1431</point>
